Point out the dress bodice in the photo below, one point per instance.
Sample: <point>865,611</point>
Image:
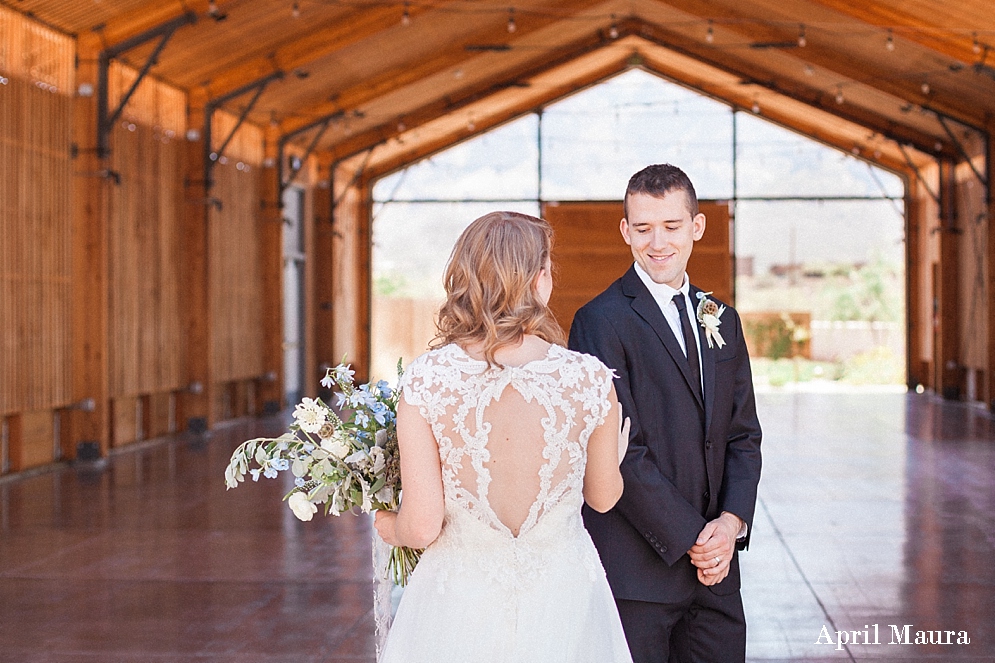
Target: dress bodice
<point>513,439</point>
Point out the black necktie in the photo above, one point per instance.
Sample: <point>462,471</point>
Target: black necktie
<point>689,342</point>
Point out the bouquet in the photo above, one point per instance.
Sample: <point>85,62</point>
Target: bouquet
<point>344,463</point>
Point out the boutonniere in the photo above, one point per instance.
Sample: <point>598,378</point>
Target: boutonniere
<point>708,313</point>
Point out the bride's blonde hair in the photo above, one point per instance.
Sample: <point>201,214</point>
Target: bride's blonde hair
<point>490,284</point>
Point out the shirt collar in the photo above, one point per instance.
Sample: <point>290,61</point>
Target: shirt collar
<point>661,291</point>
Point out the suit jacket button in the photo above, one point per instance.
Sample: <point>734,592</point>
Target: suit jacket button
<point>663,548</point>
<point>708,445</point>
<point>706,495</point>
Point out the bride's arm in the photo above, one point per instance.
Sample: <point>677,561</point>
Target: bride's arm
<point>419,520</point>
<point>602,478</point>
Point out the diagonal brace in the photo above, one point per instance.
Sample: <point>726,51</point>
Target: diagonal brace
<point>211,156</point>
<point>960,148</point>
<point>106,119</point>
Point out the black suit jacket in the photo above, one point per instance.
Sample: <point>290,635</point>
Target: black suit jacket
<point>689,458</point>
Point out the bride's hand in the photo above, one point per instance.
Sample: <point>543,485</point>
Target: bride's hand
<point>384,522</point>
<point>623,435</point>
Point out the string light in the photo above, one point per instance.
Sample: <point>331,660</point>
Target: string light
<point>889,43</point>
<point>406,16</point>
<point>511,20</point>
<point>809,70</point>
<point>924,87</point>
<point>976,46</point>
<point>613,30</point>
<point>756,107</point>
<point>4,80</point>
<point>802,41</point>
<point>710,34</point>
<point>296,10</point>
<point>839,94</point>
<point>212,8</point>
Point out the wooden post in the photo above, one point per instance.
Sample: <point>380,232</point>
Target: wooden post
<point>947,354</point>
<point>269,392</point>
<point>916,325</point>
<point>194,403</point>
<point>990,372</point>
<point>322,303</point>
<point>89,431</point>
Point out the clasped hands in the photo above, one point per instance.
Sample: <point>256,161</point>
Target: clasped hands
<point>712,552</point>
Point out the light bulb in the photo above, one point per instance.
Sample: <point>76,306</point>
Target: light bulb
<point>839,95</point>
<point>511,20</point>
<point>613,30</point>
<point>296,11</point>
<point>212,8</point>
<point>710,34</point>
<point>756,108</point>
<point>889,43</point>
<point>976,46</point>
<point>406,16</point>
<point>802,41</point>
<point>924,87</point>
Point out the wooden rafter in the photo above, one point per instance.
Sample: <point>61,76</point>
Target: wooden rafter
<point>829,59</point>
<point>446,56</point>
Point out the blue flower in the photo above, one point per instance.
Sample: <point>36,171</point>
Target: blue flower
<point>308,447</point>
<point>299,481</point>
<point>339,400</point>
<point>270,472</point>
<point>380,412</point>
<point>385,391</point>
<point>281,464</point>
<point>362,419</point>
<point>343,373</point>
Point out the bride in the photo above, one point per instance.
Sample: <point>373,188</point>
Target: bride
<point>503,433</point>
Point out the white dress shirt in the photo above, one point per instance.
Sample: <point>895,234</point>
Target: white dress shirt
<point>663,294</point>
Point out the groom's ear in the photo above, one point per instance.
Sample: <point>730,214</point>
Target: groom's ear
<point>623,227</point>
<point>699,225</point>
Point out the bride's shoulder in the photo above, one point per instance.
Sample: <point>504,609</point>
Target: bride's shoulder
<point>585,362</point>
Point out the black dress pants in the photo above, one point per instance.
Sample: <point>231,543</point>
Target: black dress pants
<point>706,628</point>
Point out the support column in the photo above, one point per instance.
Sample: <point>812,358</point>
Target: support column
<point>915,322</point>
<point>949,370</point>
<point>269,393</point>
<point>324,304</point>
<point>87,427</point>
<point>990,303</point>
<point>194,410</point>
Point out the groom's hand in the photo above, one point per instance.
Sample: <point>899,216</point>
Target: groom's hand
<point>712,552</point>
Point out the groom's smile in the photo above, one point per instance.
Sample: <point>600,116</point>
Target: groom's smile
<point>661,233</point>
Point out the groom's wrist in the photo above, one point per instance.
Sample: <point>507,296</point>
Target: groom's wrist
<point>740,526</point>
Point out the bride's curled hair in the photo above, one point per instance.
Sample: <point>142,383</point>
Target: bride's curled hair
<point>490,284</point>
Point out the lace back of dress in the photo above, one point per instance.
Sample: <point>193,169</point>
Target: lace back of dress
<point>512,440</point>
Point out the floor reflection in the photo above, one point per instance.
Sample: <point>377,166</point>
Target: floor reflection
<point>875,508</point>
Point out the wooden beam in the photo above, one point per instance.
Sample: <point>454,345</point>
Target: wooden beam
<point>448,54</point>
<point>330,36</point>
<point>137,21</point>
<point>785,30</point>
<point>947,353</point>
<point>90,297</point>
<point>194,404</point>
<point>746,71</point>
<point>474,94</point>
<point>990,263</point>
<point>915,28</point>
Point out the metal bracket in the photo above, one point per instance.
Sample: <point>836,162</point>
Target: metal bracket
<point>210,156</point>
<point>105,118</point>
<point>960,148</point>
<point>324,123</point>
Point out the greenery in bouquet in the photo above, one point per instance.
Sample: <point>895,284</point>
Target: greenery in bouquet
<point>346,462</point>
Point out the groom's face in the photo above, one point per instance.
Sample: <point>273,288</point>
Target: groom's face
<point>661,233</point>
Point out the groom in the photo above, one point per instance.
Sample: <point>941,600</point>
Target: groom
<point>670,545</point>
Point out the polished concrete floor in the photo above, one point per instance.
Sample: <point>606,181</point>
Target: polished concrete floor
<point>875,509</point>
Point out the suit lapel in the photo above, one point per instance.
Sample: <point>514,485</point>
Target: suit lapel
<point>647,308</point>
<point>707,366</point>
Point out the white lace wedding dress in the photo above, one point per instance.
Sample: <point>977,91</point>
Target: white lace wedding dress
<point>513,577</point>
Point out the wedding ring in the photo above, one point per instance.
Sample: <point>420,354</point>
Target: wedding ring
<point>718,560</point>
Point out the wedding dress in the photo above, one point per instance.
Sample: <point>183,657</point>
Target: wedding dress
<point>513,577</point>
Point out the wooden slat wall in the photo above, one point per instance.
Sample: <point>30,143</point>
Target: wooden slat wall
<point>235,276</point>
<point>35,189</point>
<point>146,336</point>
<point>246,145</point>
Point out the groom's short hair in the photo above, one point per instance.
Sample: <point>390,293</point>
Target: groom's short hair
<point>658,180</point>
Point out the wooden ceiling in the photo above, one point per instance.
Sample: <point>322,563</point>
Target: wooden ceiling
<point>876,77</point>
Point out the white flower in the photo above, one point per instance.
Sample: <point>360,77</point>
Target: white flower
<point>301,506</point>
<point>335,446</point>
<point>310,415</point>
